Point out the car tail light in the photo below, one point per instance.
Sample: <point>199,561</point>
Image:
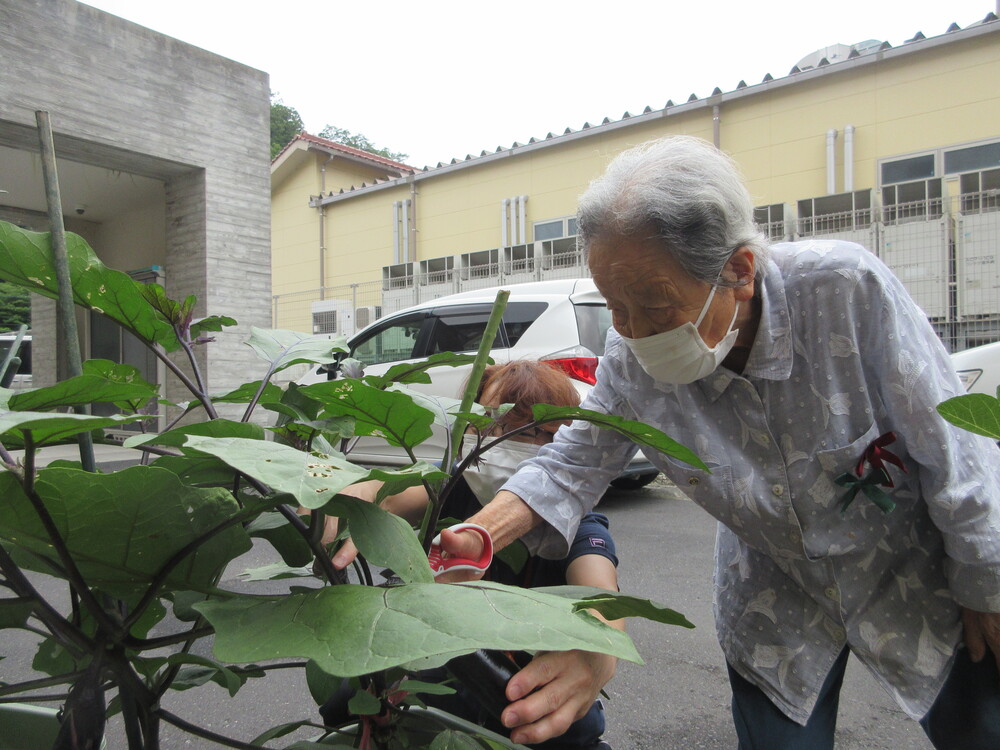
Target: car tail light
<point>583,369</point>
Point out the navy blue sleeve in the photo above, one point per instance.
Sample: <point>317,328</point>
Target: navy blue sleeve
<point>593,538</point>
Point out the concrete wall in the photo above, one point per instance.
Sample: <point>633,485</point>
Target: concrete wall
<point>124,97</point>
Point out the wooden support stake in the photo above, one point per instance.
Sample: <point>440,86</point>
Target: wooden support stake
<point>67,337</point>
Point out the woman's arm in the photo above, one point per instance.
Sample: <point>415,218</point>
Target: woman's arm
<point>559,687</point>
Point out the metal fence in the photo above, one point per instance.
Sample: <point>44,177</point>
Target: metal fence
<point>948,261</point>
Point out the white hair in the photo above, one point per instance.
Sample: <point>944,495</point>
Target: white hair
<point>682,191</point>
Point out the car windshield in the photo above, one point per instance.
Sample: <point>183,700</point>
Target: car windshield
<point>593,322</point>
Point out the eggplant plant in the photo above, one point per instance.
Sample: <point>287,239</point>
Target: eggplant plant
<point>141,551</point>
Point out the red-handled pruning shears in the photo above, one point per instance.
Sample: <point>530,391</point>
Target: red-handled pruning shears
<point>440,564</point>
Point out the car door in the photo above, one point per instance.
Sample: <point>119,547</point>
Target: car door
<point>448,328</point>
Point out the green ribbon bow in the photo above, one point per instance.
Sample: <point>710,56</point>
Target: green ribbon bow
<point>869,485</point>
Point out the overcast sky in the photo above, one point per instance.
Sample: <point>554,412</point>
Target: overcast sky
<point>438,79</point>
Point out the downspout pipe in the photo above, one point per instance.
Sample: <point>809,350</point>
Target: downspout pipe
<point>522,212</point>
<point>395,233</point>
<point>413,217</point>
<point>322,228</point>
<point>503,221</point>
<point>831,161</point>
<point>406,230</point>
<point>848,158</point>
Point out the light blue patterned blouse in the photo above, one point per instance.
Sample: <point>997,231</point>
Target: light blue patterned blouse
<point>842,356</point>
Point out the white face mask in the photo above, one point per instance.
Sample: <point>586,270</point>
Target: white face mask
<point>495,466</point>
<point>681,356</point>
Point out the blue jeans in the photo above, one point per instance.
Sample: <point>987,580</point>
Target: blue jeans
<point>965,716</point>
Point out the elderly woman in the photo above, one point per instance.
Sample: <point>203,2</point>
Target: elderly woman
<point>853,519</point>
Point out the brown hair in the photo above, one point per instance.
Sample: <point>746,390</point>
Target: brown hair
<point>525,383</point>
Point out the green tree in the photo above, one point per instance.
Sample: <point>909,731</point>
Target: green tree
<point>358,140</point>
<point>15,306</point>
<point>285,124</point>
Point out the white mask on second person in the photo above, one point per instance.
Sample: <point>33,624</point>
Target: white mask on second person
<point>681,356</point>
<point>495,466</point>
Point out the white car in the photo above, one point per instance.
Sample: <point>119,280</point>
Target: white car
<point>562,321</point>
<point>979,368</point>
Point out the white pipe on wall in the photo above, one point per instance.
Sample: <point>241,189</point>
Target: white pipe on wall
<point>406,230</point>
<point>848,158</point>
<point>522,233</point>
<point>504,220</point>
<point>395,233</point>
<point>831,161</point>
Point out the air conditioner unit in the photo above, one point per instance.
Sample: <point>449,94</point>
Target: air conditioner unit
<point>366,315</point>
<point>332,316</point>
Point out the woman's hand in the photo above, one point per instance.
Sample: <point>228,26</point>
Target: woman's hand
<point>553,691</point>
<point>467,544</point>
<point>982,634</point>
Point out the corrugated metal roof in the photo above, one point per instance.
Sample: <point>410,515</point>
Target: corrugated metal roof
<point>863,53</point>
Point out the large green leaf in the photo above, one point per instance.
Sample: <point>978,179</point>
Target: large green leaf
<point>352,630</point>
<point>26,260</point>
<point>121,528</point>
<point>314,481</point>
<point>82,389</point>
<point>638,432</point>
<point>311,479</point>
<point>49,428</point>
<point>975,412</point>
<point>615,606</point>
<point>395,481</point>
<point>212,428</point>
<point>383,538</point>
<point>390,415</point>
<point>444,408</point>
<point>416,372</point>
<point>14,613</point>
<point>286,348</point>
<point>212,323</point>
<point>245,393</point>
<point>276,529</point>
<point>198,471</point>
<point>125,374</point>
<point>452,740</point>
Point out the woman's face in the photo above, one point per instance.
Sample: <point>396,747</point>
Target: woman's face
<point>648,292</point>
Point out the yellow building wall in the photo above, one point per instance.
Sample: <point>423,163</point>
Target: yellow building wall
<point>937,99</point>
<point>295,225</point>
<point>943,96</point>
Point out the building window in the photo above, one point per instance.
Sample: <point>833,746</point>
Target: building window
<point>554,229</point>
<point>771,220</point>
<point>980,191</point>
<point>908,169</point>
<point>912,200</point>
<point>835,213</point>
<point>972,158</point>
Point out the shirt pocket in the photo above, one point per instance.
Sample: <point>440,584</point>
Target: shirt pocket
<point>825,530</point>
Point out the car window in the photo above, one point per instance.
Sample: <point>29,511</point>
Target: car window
<point>460,332</point>
<point>392,343</point>
<point>593,322</point>
<point>519,316</point>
